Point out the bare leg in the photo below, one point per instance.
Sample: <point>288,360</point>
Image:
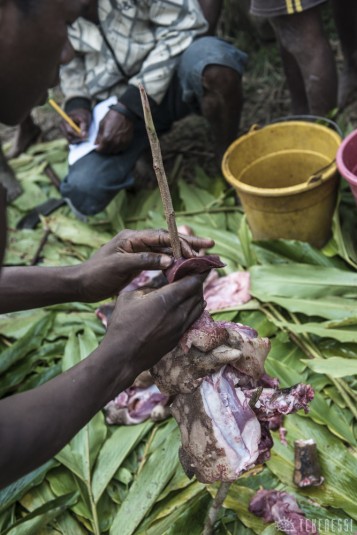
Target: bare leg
<point>302,36</point>
<point>8,179</point>
<point>26,135</point>
<point>345,14</point>
<point>222,104</point>
<point>295,81</point>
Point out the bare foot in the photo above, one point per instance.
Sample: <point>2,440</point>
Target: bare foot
<point>27,134</point>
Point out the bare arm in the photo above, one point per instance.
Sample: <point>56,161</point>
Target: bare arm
<point>103,276</point>
<point>211,10</point>
<point>37,424</point>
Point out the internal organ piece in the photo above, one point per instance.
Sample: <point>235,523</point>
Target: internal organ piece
<point>227,291</point>
<point>219,431</point>
<point>189,266</point>
<point>272,403</point>
<point>281,508</point>
<point>222,435</point>
<point>134,405</point>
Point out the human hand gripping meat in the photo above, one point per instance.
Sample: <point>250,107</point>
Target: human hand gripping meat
<point>111,268</point>
<point>152,322</point>
<point>104,275</point>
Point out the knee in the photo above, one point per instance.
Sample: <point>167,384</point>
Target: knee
<point>80,199</point>
<point>221,80</point>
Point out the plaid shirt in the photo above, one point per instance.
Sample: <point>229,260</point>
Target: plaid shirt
<point>137,41</point>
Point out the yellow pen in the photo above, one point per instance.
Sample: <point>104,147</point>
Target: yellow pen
<point>64,116</point>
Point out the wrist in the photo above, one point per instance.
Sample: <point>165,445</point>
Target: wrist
<point>77,103</point>
<point>118,360</point>
<point>124,110</point>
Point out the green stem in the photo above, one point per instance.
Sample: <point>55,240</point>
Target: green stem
<point>146,451</point>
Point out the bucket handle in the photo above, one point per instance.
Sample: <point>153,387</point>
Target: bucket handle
<point>311,118</point>
<point>317,176</point>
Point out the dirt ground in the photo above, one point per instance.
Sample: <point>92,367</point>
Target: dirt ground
<point>190,141</point>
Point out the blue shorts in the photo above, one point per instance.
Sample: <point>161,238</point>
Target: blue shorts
<point>95,179</point>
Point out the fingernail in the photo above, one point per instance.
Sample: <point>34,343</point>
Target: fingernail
<point>166,261</point>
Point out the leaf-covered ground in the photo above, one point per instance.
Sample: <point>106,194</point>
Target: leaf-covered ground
<point>128,480</point>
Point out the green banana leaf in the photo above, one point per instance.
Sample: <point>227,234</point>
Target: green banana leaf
<point>302,281</point>
<point>148,485</point>
<point>31,341</point>
<point>333,366</point>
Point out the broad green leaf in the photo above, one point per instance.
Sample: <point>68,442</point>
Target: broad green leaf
<point>323,330</point>
<point>31,524</point>
<point>58,146</point>
<point>31,197</point>
<point>197,199</point>
<point>178,482</point>
<point>74,231</point>
<point>330,415</point>
<point>114,451</point>
<point>326,520</point>
<point>38,496</point>
<point>7,518</point>
<point>62,482</point>
<point>115,210</point>
<point>151,480</point>
<point>22,246</point>
<point>178,500</point>
<point>67,525</point>
<point>186,517</point>
<point>16,374</point>
<point>338,464</point>
<point>80,454</point>
<point>245,237</point>
<point>333,366</point>
<point>302,280</point>
<point>40,378</point>
<point>301,252</point>
<point>284,362</point>
<point>16,324</point>
<point>29,342</point>
<point>331,307</point>
<point>16,490</point>
<point>258,321</point>
<point>271,530</point>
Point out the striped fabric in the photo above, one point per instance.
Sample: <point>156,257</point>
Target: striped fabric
<point>146,38</point>
<point>274,8</point>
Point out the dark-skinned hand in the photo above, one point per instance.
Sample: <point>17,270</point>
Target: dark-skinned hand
<point>115,134</point>
<point>83,118</point>
<point>125,256</point>
<point>154,320</point>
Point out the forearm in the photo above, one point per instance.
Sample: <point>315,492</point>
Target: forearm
<point>22,288</point>
<point>37,424</point>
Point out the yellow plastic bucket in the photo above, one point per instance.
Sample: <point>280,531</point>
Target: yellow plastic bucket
<point>286,178</point>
